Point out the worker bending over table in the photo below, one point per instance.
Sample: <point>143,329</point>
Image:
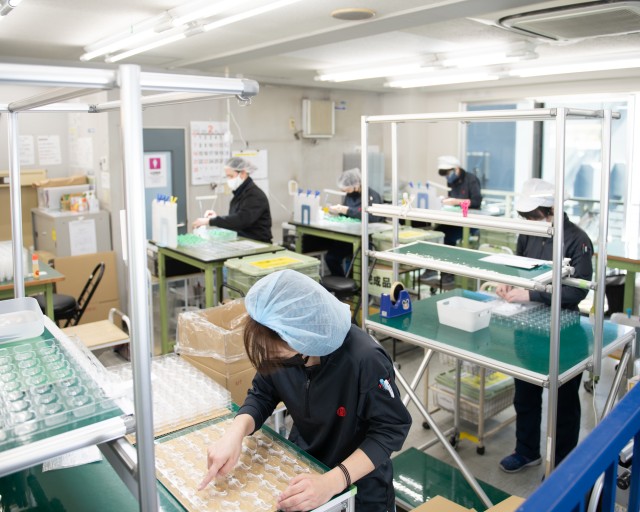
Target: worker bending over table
<point>336,382</point>
<point>536,203</point>
<point>350,181</point>
<point>249,213</point>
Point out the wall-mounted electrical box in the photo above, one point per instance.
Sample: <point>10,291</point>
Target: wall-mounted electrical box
<point>318,120</point>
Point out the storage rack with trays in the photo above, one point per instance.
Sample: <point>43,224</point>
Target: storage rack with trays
<point>135,467</point>
<point>559,275</point>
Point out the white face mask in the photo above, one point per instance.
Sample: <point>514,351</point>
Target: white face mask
<point>234,183</point>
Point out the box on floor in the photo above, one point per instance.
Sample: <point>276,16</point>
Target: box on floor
<point>76,271</point>
<point>441,504</point>
<point>236,376</point>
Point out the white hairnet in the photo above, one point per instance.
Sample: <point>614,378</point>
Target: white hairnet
<point>350,178</point>
<point>447,162</point>
<point>535,193</point>
<point>240,164</point>
<point>304,314</point>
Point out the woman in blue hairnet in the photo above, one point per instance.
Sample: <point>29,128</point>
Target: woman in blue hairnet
<point>337,384</point>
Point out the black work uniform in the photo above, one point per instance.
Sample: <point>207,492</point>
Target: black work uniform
<point>528,397</point>
<point>249,213</point>
<point>467,186</point>
<point>339,406</point>
<point>339,251</point>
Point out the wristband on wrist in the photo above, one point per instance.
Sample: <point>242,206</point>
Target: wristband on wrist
<point>345,472</point>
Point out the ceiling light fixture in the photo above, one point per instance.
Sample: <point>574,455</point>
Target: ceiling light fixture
<point>576,67</point>
<point>440,79</point>
<point>6,6</point>
<point>395,69</point>
<point>169,27</point>
<point>489,56</point>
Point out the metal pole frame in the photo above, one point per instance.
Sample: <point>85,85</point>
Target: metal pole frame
<point>131,121</point>
<point>364,241</point>
<point>16,205</point>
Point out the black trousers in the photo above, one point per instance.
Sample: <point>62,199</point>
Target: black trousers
<point>528,405</point>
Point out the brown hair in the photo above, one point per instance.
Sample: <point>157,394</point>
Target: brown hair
<point>261,344</point>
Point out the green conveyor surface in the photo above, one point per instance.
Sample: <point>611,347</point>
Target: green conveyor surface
<point>468,258</point>
<point>418,477</point>
<point>519,347</point>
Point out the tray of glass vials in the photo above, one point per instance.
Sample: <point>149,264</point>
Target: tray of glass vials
<point>44,390</point>
<point>533,317</point>
<point>266,466</point>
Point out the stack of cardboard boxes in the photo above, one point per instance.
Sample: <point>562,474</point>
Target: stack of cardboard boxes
<point>211,340</point>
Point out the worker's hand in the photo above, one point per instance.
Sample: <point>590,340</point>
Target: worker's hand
<point>222,456</point>
<point>517,295</point>
<point>209,214</point>
<point>451,201</point>
<point>502,290</point>
<point>307,491</point>
<point>338,209</point>
<point>202,221</point>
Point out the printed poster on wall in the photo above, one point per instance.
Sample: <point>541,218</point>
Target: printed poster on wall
<point>210,148</point>
<point>49,150</point>
<point>155,170</point>
<point>257,157</point>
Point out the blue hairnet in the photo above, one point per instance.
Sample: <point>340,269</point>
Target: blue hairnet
<point>350,178</point>
<point>305,315</point>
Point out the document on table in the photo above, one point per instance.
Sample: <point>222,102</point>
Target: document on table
<point>512,260</point>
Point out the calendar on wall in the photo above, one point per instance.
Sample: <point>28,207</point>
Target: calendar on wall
<point>210,148</point>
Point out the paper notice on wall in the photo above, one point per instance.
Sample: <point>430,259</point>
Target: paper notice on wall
<point>257,157</point>
<point>81,153</point>
<point>27,150</point>
<point>49,150</point>
<point>210,148</point>
<point>155,169</point>
<point>82,237</point>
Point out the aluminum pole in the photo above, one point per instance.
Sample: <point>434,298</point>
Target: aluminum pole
<point>16,205</point>
<point>394,190</point>
<point>556,287</point>
<point>364,241</point>
<point>131,121</point>
<point>605,173</point>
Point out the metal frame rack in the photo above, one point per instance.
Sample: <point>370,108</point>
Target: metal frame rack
<point>138,472</point>
<point>560,273</point>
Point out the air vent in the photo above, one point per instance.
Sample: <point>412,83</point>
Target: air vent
<point>581,21</point>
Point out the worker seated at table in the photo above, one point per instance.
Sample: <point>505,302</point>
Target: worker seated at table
<point>462,186</point>
<point>349,182</point>
<point>536,203</point>
<point>249,213</point>
<point>338,386</point>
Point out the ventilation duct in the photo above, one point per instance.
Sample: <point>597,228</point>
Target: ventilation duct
<point>578,21</point>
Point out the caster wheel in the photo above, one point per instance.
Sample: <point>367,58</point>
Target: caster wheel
<point>453,441</point>
<point>588,386</point>
<point>425,425</point>
<point>480,450</point>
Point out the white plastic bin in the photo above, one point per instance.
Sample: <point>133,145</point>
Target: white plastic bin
<point>462,313</point>
<point>20,318</point>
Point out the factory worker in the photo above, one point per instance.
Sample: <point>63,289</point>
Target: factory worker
<point>536,203</point>
<point>249,213</point>
<point>462,185</point>
<point>349,181</point>
<point>337,384</point>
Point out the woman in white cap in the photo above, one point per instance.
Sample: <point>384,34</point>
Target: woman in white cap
<point>536,203</point>
<point>249,213</point>
<point>337,384</point>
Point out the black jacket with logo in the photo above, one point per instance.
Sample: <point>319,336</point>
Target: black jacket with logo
<point>249,213</point>
<point>339,406</point>
<point>467,186</point>
<point>353,201</point>
<point>577,247</point>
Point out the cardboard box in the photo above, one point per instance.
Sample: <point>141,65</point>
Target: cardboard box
<point>238,382</point>
<point>29,200</point>
<point>77,269</point>
<point>213,332</point>
<point>441,504</point>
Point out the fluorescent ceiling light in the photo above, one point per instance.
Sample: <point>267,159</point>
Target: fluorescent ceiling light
<point>560,69</point>
<point>146,47</point>
<point>440,79</point>
<point>489,56</point>
<point>193,14</point>
<point>6,6</point>
<point>373,72</point>
<point>248,14</point>
<point>132,40</point>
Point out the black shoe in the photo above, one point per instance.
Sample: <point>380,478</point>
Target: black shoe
<point>428,274</point>
<point>447,279</point>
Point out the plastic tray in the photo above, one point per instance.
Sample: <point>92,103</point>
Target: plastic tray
<point>384,240</point>
<point>20,318</point>
<point>462,313</point>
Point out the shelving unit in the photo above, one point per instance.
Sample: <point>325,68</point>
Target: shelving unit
<point>136,466</point>
<point>452,260</point>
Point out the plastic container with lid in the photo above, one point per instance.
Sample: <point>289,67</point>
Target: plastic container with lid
<point>243,273</point>
<point>406,235</point>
